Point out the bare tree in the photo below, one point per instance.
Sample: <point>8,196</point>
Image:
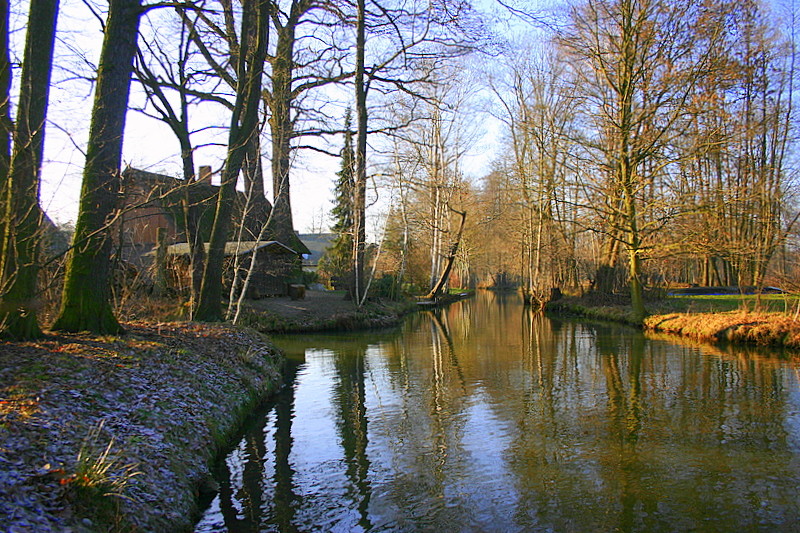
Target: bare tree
<point>734,177</point>
<point>244,125</point>
<point>410,43</point>
<point>19,263</point>
<point>538,97</point>
<point>85,303</point>
<point>639,63</point>
<point>171,74</point>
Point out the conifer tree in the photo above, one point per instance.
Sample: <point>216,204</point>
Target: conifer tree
<point>337,261</point>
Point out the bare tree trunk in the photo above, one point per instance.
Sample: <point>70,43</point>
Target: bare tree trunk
<point>20,263</point>
<point>244,123</point>
<point>85,303</point>
<point>451,257</point>
<point>258,208</point>
<point>191,216</point>
<point>282,128</point>
<point>360,178</point>
<point>6,127</point>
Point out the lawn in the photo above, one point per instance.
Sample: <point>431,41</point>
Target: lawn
<point>695,303</point>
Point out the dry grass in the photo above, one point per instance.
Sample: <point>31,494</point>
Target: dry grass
<point>770,321</point>
<point>740,327</point>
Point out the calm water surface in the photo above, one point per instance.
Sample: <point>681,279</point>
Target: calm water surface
<point>485,417</point>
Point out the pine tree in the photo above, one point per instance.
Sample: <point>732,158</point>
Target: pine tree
<point>337,261</point>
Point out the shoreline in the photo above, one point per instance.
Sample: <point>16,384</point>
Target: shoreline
<point>164,400</point>
<point>169,397</point>
<point>322,311</point>
<point>765,329</point>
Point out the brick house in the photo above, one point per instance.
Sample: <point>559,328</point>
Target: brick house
<point>152,208</point>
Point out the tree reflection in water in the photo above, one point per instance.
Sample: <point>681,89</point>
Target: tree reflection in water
<point>485,416</point>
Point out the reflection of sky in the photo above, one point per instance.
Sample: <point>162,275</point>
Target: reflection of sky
<point>562,427</point>
<point>236,462</point>
<point>317,458</point>
<point>488,486</point>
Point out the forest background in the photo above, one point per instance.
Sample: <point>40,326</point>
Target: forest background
<point>634,143</point>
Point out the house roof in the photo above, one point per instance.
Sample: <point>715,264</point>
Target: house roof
<point>237,248</point>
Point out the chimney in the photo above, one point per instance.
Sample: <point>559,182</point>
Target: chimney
<point>204,174</point>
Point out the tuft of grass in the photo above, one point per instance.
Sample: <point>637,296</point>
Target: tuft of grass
<point>99,480</point>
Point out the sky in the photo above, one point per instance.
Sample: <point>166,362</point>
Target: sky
<point>149,145</point>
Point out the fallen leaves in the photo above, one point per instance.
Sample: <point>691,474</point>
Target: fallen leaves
<point>163,391</point>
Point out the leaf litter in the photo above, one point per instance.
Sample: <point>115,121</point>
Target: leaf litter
<point>159,395</point>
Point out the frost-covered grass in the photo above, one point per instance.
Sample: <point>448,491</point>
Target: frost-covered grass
<point>158,402</point>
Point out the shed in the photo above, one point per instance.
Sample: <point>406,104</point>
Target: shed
<point>275,264</point>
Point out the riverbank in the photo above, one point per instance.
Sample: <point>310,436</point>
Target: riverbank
<point>321,311</point>
<point>141,415</point>
<point>773,329</point>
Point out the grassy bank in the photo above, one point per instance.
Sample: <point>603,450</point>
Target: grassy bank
<point>778,330</point>
<point>322,311</point>
<point>117,433</point>
<point>768,320</point>
<point>767,303</point>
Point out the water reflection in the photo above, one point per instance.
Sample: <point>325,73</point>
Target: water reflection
<point>486,417</point>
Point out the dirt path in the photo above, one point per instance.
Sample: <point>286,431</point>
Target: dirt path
<point>316,304</point>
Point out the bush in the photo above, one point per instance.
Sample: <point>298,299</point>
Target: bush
<point>385,287</point>
<point>303,277</point>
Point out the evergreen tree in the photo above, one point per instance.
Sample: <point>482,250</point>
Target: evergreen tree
<point>337,261</point>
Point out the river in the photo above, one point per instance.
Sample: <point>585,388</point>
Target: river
<point>486,417</point>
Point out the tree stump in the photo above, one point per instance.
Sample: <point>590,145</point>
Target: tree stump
<point>297,292</point>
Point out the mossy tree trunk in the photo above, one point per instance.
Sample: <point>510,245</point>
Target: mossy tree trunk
<point>244,123</point>
<point>20,261</point>
<point>5,118</point>
<point>86,301</point>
